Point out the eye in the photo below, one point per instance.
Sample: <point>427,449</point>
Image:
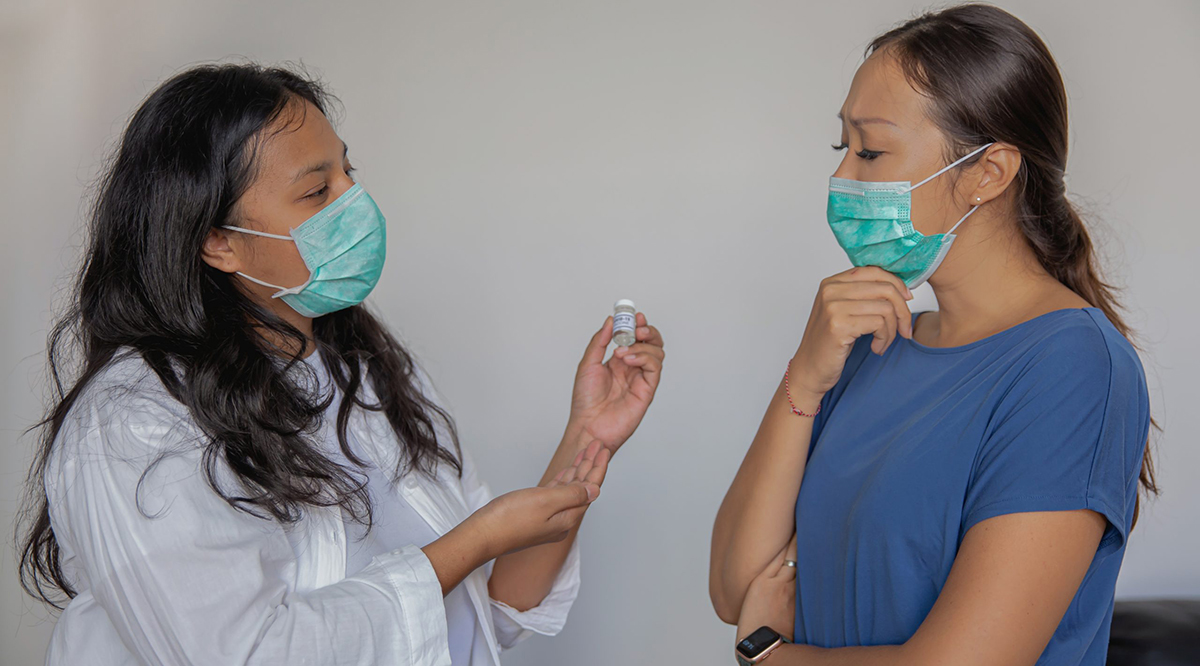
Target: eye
<point>840,146</point>
<point>319,193</point>
<point>868,154</point>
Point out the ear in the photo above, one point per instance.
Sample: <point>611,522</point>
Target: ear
<point>999,167</point>
<point>219,252</point>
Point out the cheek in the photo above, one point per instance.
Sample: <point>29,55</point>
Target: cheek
<point>931,208</point>
<point>279,262</point>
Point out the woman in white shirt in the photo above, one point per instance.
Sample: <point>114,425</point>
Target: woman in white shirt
<point>247,467</point>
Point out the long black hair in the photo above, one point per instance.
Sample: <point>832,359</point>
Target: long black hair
<point>989,77</point>
<point>186,157</point>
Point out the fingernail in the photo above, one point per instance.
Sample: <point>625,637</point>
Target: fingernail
<point>593,491</point>
<point>631,357</point>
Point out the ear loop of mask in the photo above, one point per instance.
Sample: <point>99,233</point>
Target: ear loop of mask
<point>963,219</point>
<point>282,290</point>
<point>944,169</point>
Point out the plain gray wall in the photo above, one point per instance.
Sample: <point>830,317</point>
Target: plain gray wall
<point>537,161</point>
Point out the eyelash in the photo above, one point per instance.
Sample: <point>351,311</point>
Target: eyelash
<point>864,153</point>
<point>325,188</point>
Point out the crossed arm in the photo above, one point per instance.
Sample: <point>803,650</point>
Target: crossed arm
<point>1011,582</point>
<point>1012,579</point>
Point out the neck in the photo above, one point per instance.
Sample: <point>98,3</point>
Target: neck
<point>305,324</point>
<point>992,280</point>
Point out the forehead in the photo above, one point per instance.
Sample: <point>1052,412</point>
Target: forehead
<point>881,90</point>
<point>300,136</point>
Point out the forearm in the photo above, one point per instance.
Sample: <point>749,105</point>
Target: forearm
<point>757,516</point>
<point>808,655</point>
<point>523,578</point>
<point>456,554</point>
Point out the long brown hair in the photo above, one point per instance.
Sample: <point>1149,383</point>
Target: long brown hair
<point>989,77</point>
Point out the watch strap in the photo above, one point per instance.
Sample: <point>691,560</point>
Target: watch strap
<point>742,661</point>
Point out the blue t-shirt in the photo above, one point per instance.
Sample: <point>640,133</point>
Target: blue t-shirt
<point>913,448</point>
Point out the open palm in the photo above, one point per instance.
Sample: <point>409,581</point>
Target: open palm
<point>610,398</point>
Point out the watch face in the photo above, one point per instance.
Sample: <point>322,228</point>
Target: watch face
<point>754,644</point>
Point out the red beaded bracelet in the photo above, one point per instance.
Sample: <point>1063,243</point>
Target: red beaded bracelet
<point>788,390</point>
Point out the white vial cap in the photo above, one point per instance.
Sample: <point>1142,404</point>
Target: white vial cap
<point>624,301</point>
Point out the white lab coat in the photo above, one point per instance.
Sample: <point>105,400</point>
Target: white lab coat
<point>203,583</point>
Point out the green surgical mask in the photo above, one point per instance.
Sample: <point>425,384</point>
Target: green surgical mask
<point>343,247</point>
<point>872,222</point>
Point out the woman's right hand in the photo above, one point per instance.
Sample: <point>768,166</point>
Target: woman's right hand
<point>771,598</point>
<point>861,301</point>
<point>544,514</point>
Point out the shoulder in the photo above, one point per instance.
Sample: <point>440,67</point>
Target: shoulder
<point>124,412</point>
<point>1074,371</point>
<point>1079,345</point>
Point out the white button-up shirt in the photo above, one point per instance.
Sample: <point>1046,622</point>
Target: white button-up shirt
<point>166,572</point>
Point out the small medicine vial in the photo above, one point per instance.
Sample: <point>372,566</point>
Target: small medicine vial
<point>624,322</point>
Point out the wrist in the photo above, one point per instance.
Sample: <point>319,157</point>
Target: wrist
<point>756,646</point>
<point>800,395</point>
<point>455,555</point>
<point>576,438</point>
<point>476,539</point>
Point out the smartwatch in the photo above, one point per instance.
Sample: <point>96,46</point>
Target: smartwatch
<point>756,647</point>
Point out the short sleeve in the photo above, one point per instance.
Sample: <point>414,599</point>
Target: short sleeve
<point>1067,434</point>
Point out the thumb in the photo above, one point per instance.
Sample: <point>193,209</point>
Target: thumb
<point>598,345</point>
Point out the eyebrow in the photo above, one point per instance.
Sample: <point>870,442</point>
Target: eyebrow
<point>859,122</point>
<point>319,167</point>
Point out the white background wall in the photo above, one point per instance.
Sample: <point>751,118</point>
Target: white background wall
<point>538,160</point>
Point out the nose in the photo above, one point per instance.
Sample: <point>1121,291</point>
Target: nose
<point>846,169</point>
<point>342,183</point>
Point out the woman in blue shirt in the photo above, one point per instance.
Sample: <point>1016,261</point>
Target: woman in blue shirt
<point>970,475</point>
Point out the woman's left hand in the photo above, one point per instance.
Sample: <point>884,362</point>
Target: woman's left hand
<point>771,598</point>
<point>610,398</point>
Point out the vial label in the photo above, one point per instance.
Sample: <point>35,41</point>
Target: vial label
<point>623,321</point>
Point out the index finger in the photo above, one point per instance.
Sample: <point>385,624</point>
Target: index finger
<point>570,496</point>
<point>600,468</point>
<point>874,274</point>
<point>647,333</point>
